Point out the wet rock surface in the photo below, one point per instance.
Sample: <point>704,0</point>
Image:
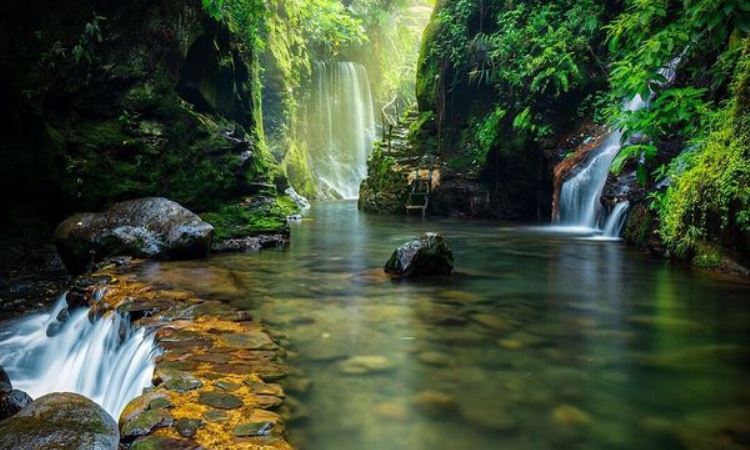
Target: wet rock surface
<point>212,383</point>
<point>31,274</point>
<point>149,227</point>
<point>11,400</point>
<point>60,421</point>
<point>429,255</point>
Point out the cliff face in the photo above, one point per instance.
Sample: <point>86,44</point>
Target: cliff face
<point>496,118</point>
<point>104,101</point>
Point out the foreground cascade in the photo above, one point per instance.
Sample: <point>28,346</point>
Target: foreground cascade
<point>61,351</point>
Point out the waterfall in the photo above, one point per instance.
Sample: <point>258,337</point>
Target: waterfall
<point>579,196</point>
<point>580,204</point>
<point>107,361</point>
<point>616,220</point>
<point>341,127</point>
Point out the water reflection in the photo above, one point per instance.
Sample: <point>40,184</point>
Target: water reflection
<point>543,342</point>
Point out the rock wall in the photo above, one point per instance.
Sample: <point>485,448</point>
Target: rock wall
<point>105,101</point>
<point>472,121</point>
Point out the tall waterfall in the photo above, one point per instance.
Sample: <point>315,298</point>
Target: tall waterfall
<point>580,204</point>
<point>341,127</point>
<point>107,361</point>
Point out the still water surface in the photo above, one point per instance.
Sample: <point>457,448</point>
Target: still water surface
<point>544,341</point>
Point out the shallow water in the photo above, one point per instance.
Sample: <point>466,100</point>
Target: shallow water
<point>544,341</point>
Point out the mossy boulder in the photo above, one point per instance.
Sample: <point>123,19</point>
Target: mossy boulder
<point>60,421</point>
<point>427,256</point>
<point>149,227</point>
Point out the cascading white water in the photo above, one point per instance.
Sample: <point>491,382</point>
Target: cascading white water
<point>579,196</point>
<point>580,205</point>
<point>616,220</point>
<point>342,129</point>
<point>107,361</point>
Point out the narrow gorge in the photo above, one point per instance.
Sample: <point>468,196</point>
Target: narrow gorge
<point>375,224</point>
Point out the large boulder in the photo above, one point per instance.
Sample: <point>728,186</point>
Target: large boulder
<point>149,228</point>
<point>60,421</point>
<point>429,255</point>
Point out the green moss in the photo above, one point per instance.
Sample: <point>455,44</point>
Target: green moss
<point>639,227</point>
<point>707,257</point>
<point>385,190</point>
<point>709,200</point>
<point>238,221</point>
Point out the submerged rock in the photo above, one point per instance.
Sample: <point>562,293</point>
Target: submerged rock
<point>149,227</point>
<point>429,255</point>
<point>64,421</point>
<point>570,416</point>
<point>435,403</point>
<point>364,365</point>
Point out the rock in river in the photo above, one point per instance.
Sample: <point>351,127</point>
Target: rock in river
<point>149,228</point>
<point>364,365</point>
<point>65,421</point>
<point>429,255</point>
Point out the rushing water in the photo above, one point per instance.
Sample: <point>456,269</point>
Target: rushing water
<point>341,127</point>
<point>580,196</point>
<point>543,342</point>
<point>616,220</point>
<point>107,361</point>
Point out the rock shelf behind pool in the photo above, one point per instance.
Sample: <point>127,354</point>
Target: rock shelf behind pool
<point>427,256</point>
<point>147,227</point>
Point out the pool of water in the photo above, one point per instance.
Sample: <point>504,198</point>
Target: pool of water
<point>543,341</point>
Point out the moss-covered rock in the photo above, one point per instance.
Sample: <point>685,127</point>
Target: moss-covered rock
<point>60,421</point>
<point>427,256</point>
<point>148,228</point>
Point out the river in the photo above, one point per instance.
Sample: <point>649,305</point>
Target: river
<point>544,340</point>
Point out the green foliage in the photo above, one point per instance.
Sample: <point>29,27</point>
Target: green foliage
<point>237,221</point>
<point>214,8</point>
<point>91,36</point>
<point>645,40</point>
<point>535,59</point>
<point>709,199</point>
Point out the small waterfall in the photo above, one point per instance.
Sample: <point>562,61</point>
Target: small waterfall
<point>580,204</point>
<point>616,220</point>
<point>342,129</point>
<point>107,361</point>
<point>579,196</point>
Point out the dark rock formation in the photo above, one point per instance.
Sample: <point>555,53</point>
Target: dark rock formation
<point>459,196</point>
<point>11,400</point>
<point>149,227</point>
<point>426,256</point>
<point>60,421</point>
<point>107,101</point>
